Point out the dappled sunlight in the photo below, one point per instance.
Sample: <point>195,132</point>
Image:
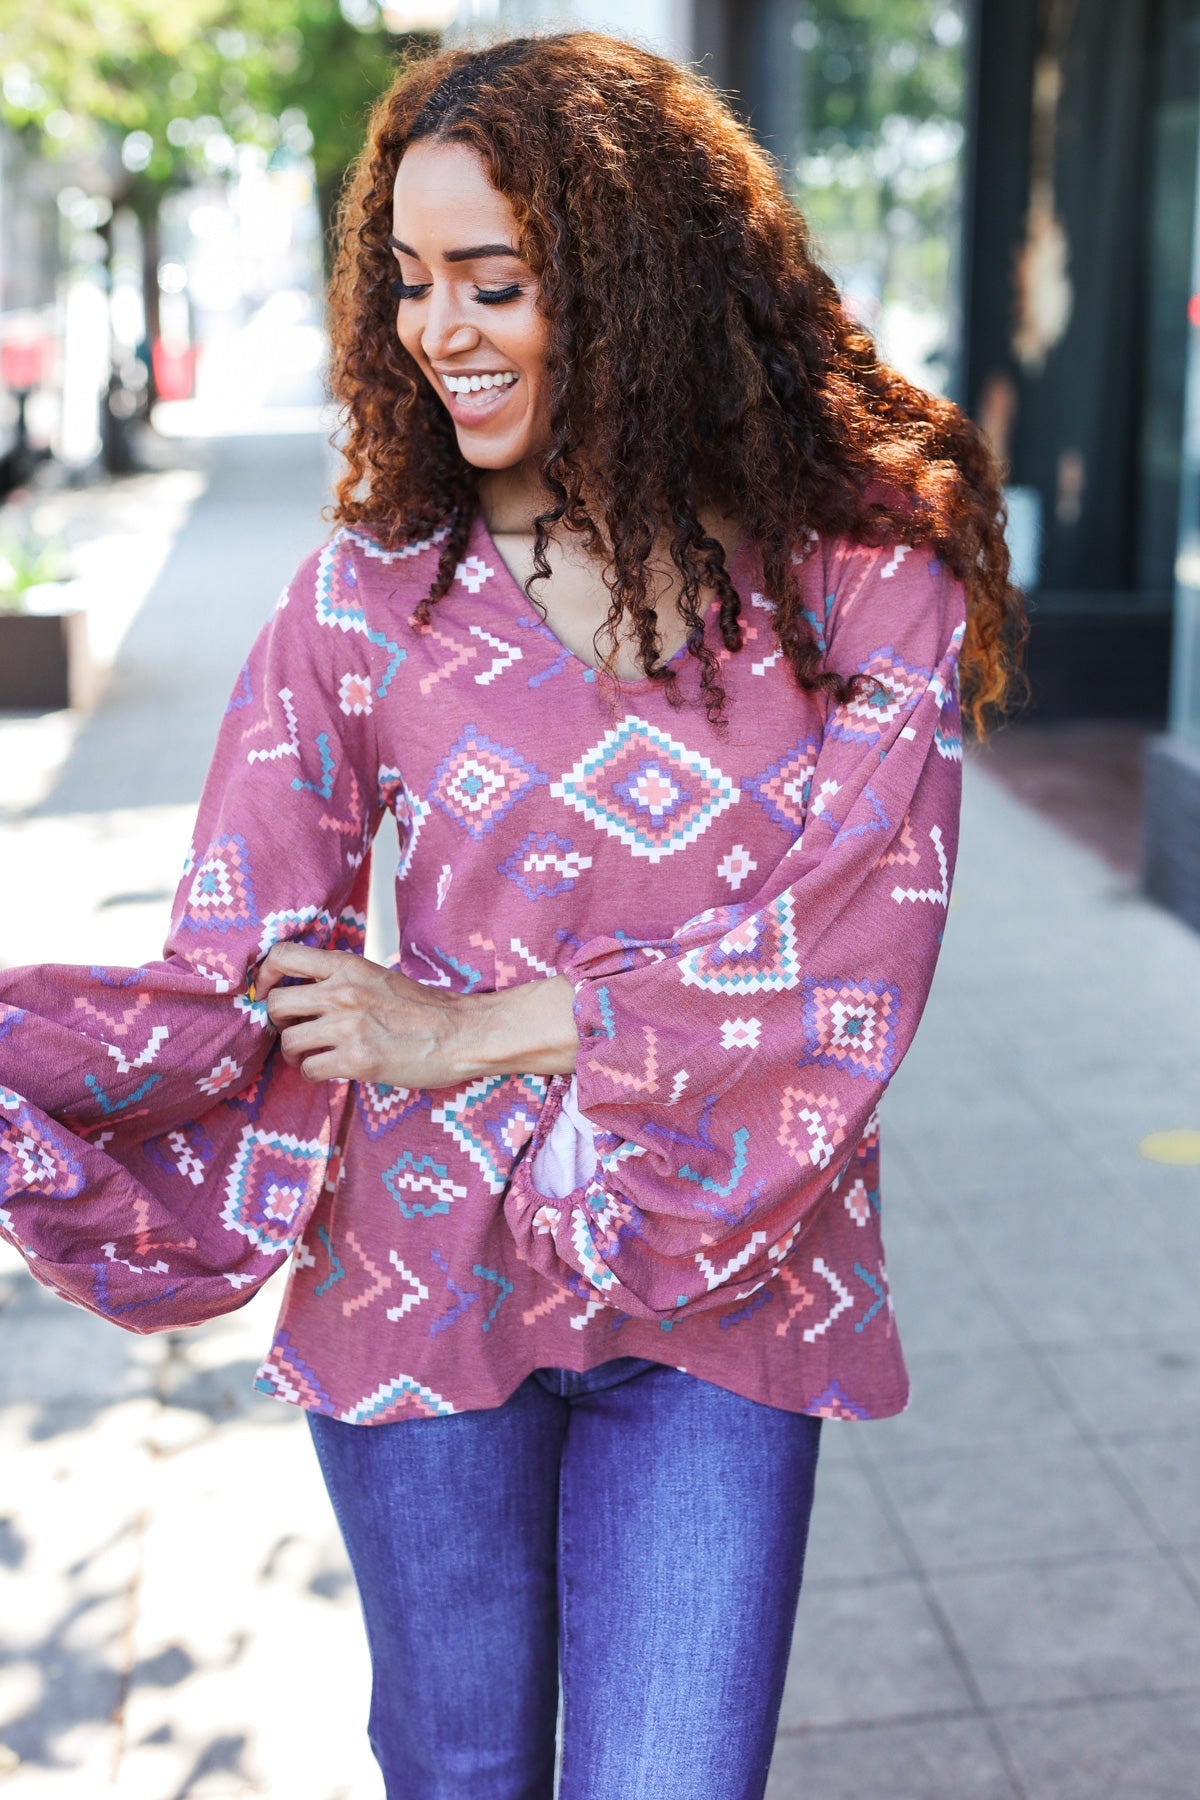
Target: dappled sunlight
<point>166,1554</point>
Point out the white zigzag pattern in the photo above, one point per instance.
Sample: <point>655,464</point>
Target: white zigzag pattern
<point>510,654</point>
<point>681,1080</point>
<point>940,896</point>
<point>420,1291</point>
<point>291,744</point>
<point>156,1268</point>
<point>768,662</point>
<point>518,949</point>
<point>714,1276</point>
<point>154,1043</point>
<point>186,1159</point>
<point>441,979</point>
<point>821,1267</point>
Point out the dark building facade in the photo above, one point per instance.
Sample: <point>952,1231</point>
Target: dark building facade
<point>1078,325</point>
<point>1081,313</point>
<point>1076,283</point>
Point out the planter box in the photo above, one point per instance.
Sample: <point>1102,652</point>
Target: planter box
<point>44,662</point>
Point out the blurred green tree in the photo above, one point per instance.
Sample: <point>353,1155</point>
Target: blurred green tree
<point>875,154</point>
<point>162,95</point>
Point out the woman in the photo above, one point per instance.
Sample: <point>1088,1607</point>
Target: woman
<point>644,616</point>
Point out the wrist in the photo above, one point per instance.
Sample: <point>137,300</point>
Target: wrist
<point>523,1030</point>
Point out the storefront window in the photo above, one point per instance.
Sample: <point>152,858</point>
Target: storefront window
<point>882,94</point>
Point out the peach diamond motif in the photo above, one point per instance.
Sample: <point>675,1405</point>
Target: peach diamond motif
<point>851,1025</point>
<point>892,689</point>
<point>221,897</point>
<point>354,693</point>
<point>646,789</point>
<point>478,781</point>
<point>273,1179</point>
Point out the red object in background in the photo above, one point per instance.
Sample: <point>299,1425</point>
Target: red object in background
<point>174,369</point>
<point>1193,310</point>
<point>23,363</point>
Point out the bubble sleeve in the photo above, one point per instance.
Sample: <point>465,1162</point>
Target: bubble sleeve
<point>732,1071</point>
<point>158,1158</point>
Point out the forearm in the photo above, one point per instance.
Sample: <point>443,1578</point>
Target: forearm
<point>523,1030</point>
<point>347,1019</point>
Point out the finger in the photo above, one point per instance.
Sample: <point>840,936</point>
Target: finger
<point>289,1004</point>
<point>294,959</point>
<point>288,958</point>
<point>299,1041</point>
<point>328,1065</point>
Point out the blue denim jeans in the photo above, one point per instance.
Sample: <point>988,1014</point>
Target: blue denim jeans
<point>635,1531</point>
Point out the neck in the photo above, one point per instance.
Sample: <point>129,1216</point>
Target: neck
<point>511,499</point>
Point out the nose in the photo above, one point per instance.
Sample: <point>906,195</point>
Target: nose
<point>445,331</point>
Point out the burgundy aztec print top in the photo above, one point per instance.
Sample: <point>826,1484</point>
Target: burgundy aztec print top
<point>750,922</point>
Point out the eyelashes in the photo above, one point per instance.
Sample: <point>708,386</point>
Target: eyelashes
<point>403,290</point>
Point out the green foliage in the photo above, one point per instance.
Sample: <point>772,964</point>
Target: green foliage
<point>194,78</point>
<point>331,70</point>
<point>866,61</point>
<point>879,133</point>
<point>25,562</point>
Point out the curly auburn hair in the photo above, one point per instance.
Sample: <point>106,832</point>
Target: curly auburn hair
<point>698,355</point>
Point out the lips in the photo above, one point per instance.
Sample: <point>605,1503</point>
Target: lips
<point>477,408</point>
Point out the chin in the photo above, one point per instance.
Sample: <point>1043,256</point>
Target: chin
<point>482,455</point>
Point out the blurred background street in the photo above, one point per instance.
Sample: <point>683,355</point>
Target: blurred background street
<point>1003,1595</point>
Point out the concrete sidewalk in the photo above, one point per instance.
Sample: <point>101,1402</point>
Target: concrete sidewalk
<point>1004,1585</point>
<point>1005,1582</point>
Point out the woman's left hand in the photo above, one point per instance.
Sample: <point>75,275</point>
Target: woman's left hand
<point>353,1020</point>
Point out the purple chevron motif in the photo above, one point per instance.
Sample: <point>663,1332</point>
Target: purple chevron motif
<point>783,789</point>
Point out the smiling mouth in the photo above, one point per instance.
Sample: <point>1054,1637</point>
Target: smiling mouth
<point>464,387</point>
<point>475,408</point>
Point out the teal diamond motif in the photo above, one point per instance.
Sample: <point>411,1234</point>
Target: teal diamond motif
<point>646,789</point>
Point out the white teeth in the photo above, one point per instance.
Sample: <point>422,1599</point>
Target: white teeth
<point>474,384</point>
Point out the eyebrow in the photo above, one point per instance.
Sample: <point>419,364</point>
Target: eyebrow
<point>457,256</point>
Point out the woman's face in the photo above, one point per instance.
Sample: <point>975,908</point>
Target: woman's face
<point>467,304</point>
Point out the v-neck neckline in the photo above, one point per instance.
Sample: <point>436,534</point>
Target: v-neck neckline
<point>592,671</point>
